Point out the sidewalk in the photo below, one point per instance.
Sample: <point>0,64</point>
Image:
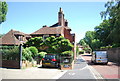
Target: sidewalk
<point>31,73</point>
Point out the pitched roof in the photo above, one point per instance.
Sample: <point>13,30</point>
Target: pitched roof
<point>10,39</point>
<point>49,30</point>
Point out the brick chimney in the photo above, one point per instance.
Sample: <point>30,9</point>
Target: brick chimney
<point>61,17</point>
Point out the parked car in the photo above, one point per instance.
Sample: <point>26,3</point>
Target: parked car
<point>99,57</point>
<point>51,60</point>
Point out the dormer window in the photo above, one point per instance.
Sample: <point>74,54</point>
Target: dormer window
<point>20,38</point>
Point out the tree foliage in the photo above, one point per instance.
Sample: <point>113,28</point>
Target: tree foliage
<point>34,51</point>
<point>113,13</point>
<point>103,31</point>
<point>9,52</point>
<point>107,34</point>
<point>1,35</point>
<point>51,44</point>
<point>27,54</point>
<point>3,11</point>
<point>36,42</point>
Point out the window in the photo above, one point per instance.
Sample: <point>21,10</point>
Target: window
<point>57,34</point>
<point>45,36</point>
<point>20,38</point>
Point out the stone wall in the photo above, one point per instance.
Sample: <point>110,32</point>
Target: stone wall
<point>114,54</point>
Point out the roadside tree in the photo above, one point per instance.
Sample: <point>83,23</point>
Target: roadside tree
<point>3,11</point>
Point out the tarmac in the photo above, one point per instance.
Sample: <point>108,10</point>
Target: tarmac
<point>81,71</point>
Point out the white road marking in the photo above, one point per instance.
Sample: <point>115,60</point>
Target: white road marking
<point>93,71</point>
<point>71,73</point>
<point>96,74</point>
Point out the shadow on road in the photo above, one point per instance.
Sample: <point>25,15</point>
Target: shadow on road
<point>48,67</point>
<point>87,55</point>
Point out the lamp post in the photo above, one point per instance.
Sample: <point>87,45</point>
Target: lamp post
<point>20,53</point>
<point>20,56</point>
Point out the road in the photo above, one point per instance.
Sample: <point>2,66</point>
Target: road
<point>83,69</point>
<point>109,71</point>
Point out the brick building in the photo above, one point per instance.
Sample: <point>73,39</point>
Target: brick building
<point>60,28</point>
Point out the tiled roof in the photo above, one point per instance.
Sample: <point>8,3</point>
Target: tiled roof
<point>49,30</point>
<point>54,25</point>
<point>10,39</point>
<point>18,33</point>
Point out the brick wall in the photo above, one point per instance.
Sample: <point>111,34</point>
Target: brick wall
<point>114,54</point>
<point>68,35</point>
<point>10,64</point>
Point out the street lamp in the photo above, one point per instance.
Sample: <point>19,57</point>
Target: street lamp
<point>20,53</point>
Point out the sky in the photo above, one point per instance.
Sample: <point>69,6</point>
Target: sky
<point>28,17</point>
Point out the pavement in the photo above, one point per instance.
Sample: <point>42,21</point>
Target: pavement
<point>31,73</point>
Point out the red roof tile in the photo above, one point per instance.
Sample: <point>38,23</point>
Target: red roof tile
<point>10,39</point>
<point>49,30</point>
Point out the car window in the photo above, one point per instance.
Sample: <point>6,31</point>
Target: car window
<point>50,56</point>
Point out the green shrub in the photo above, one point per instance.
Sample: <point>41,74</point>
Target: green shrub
<point>42,54</point>
<point>81,52</point>
<point>67,53</point>
<point>27,54</point>
<point>10,53</point>
<point>34,51</point>
<point>116,45</point>
<point>104,47</point>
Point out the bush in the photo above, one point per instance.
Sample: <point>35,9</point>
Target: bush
<point>10,53</point>
<point>106,47</point>
<point>116,45</point>
<point>27,54</point>
<point>42,54</point>
<point>34,51</point>
<point>81,52</point>
<point>67,53</point>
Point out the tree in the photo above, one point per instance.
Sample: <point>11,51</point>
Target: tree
<point>1,35</point>
<point>50,44</point>
<point>3,11</point>
<point>57,44</point>
<point>113,13</point>
<point>63,45</point>
<point>82,42</point>
<point>103,31</point>
<point>90,42</point>
<point>36,42</point>
<point>107,34</point>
